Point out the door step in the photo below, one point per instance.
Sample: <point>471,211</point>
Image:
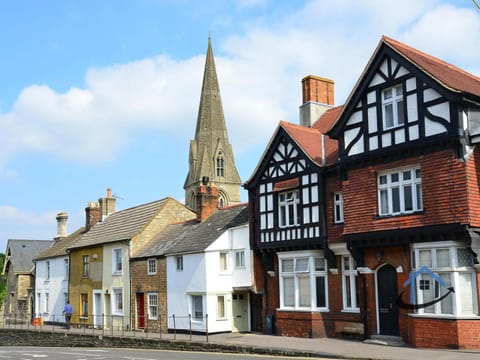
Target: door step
<point>385,340</point>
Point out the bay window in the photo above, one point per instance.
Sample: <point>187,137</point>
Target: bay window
<point>303,280</point>
<point>442,265</point>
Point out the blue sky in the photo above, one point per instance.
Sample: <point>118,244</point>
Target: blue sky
<point>97,94</point>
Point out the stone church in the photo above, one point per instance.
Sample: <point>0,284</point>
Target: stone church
<point>211,159</point>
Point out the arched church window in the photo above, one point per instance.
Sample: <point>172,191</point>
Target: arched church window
<point>220,165</point>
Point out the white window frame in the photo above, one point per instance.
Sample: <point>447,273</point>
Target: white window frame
<point>152,266</point>
<point>196,315</point>
<point>453,269</point>
<point>221,307</point>
<point>338,207</point>
<point>179,263</point>
<point>223,262</point>
<point>392,184</point>
<point>117,261</point>
<point>288,208</point>
<point>299,275</point>
<point>349,284</point>
<point>46,303</point>
<point>66,267</point>
<point>239,259</point>
<point>152,305</point>
<point>48,270</point>
<point>118,303</point>
<point>393,97</point>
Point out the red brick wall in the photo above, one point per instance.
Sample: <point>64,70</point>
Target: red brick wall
<point>444,187</point>
<point>473,178</point>
<point>444,333</point>
<point>143,283</point>
<point>394,256</point>
<point>334,231</point>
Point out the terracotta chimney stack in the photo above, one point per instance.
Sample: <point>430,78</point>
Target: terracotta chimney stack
<point>92,215</point>
<point>317,96</point>
<point>207,200</point>
<point>107,204</point>
<point>62,218</point>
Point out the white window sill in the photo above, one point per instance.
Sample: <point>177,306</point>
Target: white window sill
<point>445,316</point>
<point>351,311</point>
<point>304,310</point>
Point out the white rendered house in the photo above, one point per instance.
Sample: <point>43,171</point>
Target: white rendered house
<point>209,274</point>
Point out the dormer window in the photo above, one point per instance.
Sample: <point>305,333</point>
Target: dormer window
<point>392,104</point>
<point>220,165</point>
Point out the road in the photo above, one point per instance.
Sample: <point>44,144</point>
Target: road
<point>37,353</point>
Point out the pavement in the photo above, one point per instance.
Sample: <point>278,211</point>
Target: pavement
<point>339,349</point>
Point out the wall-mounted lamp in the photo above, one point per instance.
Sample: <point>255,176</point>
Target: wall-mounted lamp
<point>106,292</point>
<point>379,255</point>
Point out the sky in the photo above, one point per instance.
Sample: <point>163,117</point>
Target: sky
<point>105,93</point>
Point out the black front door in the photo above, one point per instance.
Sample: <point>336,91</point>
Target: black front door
<point>387,300</point>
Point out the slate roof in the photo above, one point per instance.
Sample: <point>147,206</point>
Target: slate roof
<point>193,236</point>
<point>120,225</point>
<point>59,247</point>
<point>22,253</point>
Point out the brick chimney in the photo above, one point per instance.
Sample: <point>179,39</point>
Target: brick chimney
<point>92,215</point>
<point>62,218</point>
<point>207,200</point>
<point>107,204</point>
<point>317,97</point>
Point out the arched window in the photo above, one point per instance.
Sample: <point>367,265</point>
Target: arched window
<point>220,165</point>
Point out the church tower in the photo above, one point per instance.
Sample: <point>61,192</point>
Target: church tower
<point>211,157</point>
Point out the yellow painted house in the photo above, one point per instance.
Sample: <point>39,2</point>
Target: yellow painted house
<point>100,273</point>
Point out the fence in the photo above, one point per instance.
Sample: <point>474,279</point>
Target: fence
<point>113,325</point>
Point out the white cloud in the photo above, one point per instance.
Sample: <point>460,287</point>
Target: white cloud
<point>259,74</point>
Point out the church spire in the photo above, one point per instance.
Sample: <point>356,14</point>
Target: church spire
<point>211,154</point>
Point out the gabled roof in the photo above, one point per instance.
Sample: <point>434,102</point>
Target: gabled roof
<point>308,139</point>
<point>121,225</point>
<point>59,246</point>
<point>21,253</point>
<point>192,236</point>
<point>445,73</point>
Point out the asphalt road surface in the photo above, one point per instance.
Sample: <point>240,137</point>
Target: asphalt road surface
<point>37,353</point>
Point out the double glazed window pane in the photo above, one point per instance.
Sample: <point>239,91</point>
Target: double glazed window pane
<point>289,291</point>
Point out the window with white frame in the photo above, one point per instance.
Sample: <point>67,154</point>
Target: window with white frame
<point>46,303</point>
<point>452,262</point>
<point>47,264</point>
<point>400,191</point>
<point>65,268</point>
<point>151,266</point>
<point>223,261</point>
<point>349,284</point>
<point>197,307</point>
<point>393,108</point>
<point>240,259</point>
<point>303,281</point>
<point>221,313</point>
<point>337,207</point>
<point>117,262</point>
<point>38,303</point>
<point>152,306</point>
<point>288,208</point>
<point>179,263</point>
<point>118,301</point>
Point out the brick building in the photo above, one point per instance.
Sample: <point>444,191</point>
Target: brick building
<point>376,235</point>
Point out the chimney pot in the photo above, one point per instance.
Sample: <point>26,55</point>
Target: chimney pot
<point>62,218</point>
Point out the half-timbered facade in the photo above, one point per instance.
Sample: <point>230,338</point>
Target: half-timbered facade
<point>409,163</point>
<point>288,226</point>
